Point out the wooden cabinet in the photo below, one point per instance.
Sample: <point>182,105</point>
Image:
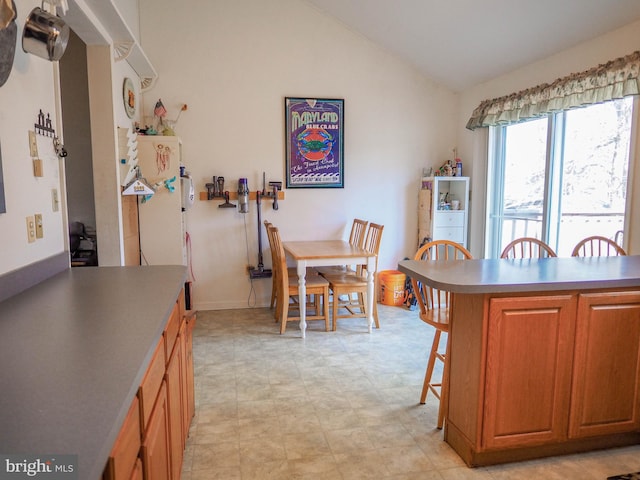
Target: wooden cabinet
<point>606,389</point>
<point>173,379</point>
<point>443,209</point>
<point>151,443</point>
<point>124,455</point>
<point>529,357</point>
<point>156,447</point>
<point>148,391</point>
<point>137,473</point>
<point>190,404</point>
<point>539,374</point>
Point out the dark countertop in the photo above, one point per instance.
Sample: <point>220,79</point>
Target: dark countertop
<point>528,275</point>
<point>73,351</point>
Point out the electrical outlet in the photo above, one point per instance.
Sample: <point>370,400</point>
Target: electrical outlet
<point>31,229</point>
<point>39,231</point>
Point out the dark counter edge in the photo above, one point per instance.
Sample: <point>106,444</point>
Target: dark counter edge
<point>19,280</point>
<point>99,465</point>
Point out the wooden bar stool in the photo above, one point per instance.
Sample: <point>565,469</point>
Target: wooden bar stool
<point>434,310</point>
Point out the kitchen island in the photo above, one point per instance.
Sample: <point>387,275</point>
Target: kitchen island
<point>544,354</point>
<point>74,351</point>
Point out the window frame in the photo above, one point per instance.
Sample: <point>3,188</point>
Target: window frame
<point>551,217</point>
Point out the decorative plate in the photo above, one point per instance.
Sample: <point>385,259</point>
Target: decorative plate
<point>129,97</point>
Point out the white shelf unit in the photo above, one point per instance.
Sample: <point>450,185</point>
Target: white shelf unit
<point>436,219</point>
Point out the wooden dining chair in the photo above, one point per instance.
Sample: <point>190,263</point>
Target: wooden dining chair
<point>274,273</point>
<point>597,246</point>
<point>356,237</point>
<point>433,307</point>
<point>292,273</point>
<point>348,284</point>
<point>287,288</point>
<point>527,247</point>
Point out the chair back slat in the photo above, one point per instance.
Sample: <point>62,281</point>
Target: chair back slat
<point>279,259</point>
<point>358,231</point>
<point>527,247</point>
<point>371,244</point>
<point>597,246</point>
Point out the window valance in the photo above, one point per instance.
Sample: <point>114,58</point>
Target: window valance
<point>615,79</point>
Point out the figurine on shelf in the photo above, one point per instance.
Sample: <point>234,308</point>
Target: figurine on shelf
<point>165,126</point>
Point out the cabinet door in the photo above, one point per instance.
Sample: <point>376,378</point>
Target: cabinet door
<point>156,447</point>
<point>137,473</point>
<point>606,389</point>
<point>528,370</point>
<point>148,391</point>
<point>190,408</point>
<point>125,451</point>
<point>175,408</point>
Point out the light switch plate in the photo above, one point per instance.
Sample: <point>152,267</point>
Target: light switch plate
<point>39,230</point>
<point>55,203</point>
<point>33,144</point>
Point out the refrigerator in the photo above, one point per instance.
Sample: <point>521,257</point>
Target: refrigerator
<point>162,219</point>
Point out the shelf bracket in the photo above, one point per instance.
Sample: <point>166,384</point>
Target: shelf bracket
<point>121,50</point>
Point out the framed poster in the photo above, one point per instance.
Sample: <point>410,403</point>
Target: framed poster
<point>314,143</point>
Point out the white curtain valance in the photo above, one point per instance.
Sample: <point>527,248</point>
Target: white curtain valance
<point>615,79</point>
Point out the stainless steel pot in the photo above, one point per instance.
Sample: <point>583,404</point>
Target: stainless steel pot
<point>45,35</point>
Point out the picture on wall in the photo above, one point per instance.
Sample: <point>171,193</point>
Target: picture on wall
<point>314,144</point>
<point>3,205</point>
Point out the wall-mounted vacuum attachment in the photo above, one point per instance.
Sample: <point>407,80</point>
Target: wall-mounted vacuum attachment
<point>243,196</point>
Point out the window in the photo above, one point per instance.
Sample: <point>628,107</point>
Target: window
<point>559,178</point>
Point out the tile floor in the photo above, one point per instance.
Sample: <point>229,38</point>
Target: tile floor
<point>337,405</point>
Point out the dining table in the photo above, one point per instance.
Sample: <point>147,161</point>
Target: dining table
<point>320,253</point>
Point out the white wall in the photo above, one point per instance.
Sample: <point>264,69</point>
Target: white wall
<point>30,88</point>
<point>582,57</point>
<point>233,63</point>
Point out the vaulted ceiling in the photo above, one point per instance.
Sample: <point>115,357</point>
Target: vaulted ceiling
<point>461,43</point>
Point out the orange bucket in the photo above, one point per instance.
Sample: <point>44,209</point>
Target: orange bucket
<point>391,287</point>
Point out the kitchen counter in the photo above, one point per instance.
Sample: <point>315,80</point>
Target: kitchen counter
<point>525,275</point>
<point>73,351</point>
<point>544,354</point>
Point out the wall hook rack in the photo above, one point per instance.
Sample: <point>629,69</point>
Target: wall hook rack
<point>44,126</point>
<point>216,191</point>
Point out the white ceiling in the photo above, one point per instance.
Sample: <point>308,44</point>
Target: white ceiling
<point>461,43</point>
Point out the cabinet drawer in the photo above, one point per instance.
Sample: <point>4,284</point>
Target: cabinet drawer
<point>151,384</point>
<point>125,451</point>
<point>455,234</point>
<point>445,218</point>
<point>171,332</point>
